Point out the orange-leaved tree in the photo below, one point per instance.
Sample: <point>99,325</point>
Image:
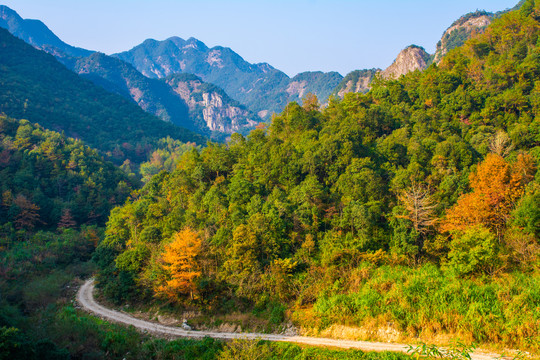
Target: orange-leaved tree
<point>496,185</point>
<point>180,265</point>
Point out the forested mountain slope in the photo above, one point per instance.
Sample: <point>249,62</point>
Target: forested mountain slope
<point>151,95</point>
<point>413,208</point>
<point>48,180</point>
<point>191,103</point>
<point>35,86</point>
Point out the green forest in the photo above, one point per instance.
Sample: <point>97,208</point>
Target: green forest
<point>414,206</point>
<point>407,214</point>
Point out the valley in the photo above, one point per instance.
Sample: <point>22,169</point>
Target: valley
<point>385,214</point>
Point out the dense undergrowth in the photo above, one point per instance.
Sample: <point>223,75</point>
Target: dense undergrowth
<point>427,303</point>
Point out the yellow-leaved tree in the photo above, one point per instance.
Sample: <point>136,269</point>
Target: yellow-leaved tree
<point>180,267</point>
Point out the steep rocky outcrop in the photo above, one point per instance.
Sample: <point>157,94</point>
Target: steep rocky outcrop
<point>460,31</point>
<point>210,106</point>
<point>409,59</point>
<point>356,81</point>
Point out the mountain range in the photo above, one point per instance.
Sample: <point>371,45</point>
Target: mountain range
<point>218,92</point>
<point>36,87</point>
<point>261,87</point>
<point>154,96</point>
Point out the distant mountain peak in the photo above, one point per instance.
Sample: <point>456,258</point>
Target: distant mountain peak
<point>6,12</point>
<point>261,87</point>
<point>36,33</point>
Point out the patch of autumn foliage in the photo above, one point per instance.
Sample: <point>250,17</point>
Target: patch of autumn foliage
<point>180,265</point>
<point>497,186</point>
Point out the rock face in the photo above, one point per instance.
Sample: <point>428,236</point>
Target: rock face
<point>409,59</point>
<point>460,31</point>
<point>210,106</point>
<point>357,81</point>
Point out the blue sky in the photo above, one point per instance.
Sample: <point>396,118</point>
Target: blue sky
<point>293,35</point>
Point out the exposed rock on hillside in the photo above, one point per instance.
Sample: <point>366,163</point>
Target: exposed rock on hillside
<point>460,31</point>
<point>356,81</point>
<point>409,59</point>
<point>210,106</point>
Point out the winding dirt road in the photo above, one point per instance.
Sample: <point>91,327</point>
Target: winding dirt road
<point>85,298</point>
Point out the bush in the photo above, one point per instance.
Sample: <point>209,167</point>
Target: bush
<point>473,252</point>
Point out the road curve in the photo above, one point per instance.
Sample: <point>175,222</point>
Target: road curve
<point>85,298</point>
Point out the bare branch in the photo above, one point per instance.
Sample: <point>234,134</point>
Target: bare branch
<point>501,144</point>
<point>420,207</point>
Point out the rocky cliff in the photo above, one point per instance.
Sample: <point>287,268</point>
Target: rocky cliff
<point>460,31</point>
<point>409,59</point>
<point>210,106</point>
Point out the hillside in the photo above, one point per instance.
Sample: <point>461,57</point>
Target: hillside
<point>357,81</point>
<point>410,212</point>
<point>35,86</point>
<point>44,175</point>
<point>460,31</point>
